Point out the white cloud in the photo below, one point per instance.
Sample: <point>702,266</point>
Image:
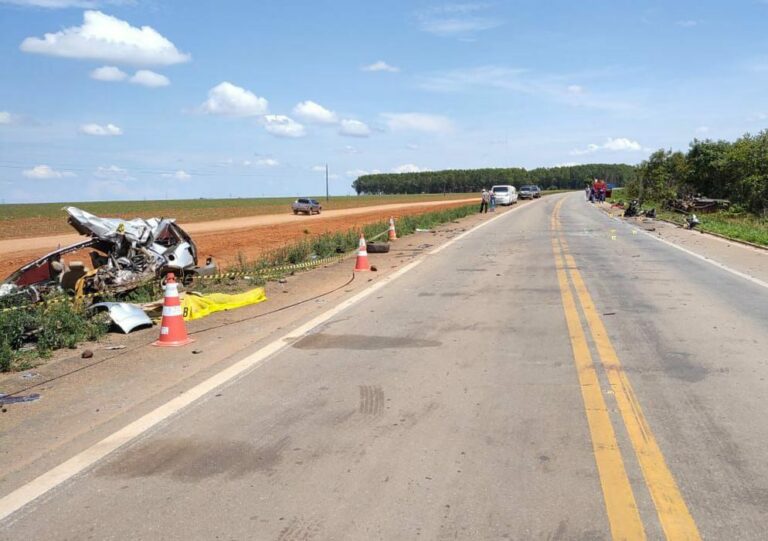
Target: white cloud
<point>150,79</point>
<point>177,175</point>
<point>314,113</point>
<point>99,130</point>
<point>703,129</point>
<point>114,74</point>
<point>687,23</point>
<point>283,126</point>
<point>620,144</point>
<point>7,118</point>
<point>349,149</point>
<point>354,128</point>
<point>112,172</point>
<point>45,172</point>
<point>318,168</point>
<point>575,89</point>
<point>231,100</point>
<point>409,168</point>
<point>380,66</point>
<point>567,164</point>
<point>103,37</point>
<point>110,74</point>
<point>354,173</point>
<point>418,122</point>
<point>457,20</point>
<point>267,162</point>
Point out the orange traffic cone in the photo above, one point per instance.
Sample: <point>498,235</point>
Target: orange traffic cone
<point>362,256</point>
<point>392,232</point>
<point>172,329</point>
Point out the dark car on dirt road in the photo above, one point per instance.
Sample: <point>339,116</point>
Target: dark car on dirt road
<point>529,192</point>
<point>306,205</point>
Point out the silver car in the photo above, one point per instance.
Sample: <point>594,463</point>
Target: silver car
<point>306,205</point>
<point>530,192</point>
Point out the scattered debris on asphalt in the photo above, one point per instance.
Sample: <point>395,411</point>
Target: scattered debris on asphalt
<point>127,317</point>
<point>691,221</point>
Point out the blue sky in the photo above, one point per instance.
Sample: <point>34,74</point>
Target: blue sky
<point>138,99</point>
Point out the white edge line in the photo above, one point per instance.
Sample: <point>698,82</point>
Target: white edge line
<point>32,490</point>
<point>708,260</point>
<point>714,262</point>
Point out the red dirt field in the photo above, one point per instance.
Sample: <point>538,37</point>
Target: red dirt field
<point>224,240</point>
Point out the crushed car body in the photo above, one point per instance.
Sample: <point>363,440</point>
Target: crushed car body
<point>124,255</point>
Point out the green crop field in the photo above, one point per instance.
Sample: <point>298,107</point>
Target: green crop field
<point>31,220</point>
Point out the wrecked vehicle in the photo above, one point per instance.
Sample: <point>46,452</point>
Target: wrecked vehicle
<point>126,254</point>
<point>697,204</point>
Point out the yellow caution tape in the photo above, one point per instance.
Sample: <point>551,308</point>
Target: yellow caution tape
<point>196,306</point>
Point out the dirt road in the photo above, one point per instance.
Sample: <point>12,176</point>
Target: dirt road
<point>225,239</point>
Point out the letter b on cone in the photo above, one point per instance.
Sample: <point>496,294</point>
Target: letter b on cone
<point>172,329</point>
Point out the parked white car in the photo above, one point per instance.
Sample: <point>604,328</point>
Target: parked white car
<point>506,194</point>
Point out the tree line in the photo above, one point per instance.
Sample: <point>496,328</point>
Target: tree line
<point>735,170</point>
<point>474,180</point>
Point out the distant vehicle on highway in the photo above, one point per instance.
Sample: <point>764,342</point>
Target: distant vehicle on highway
<point>530,192</point>
<point>308,206</point>
<point>506,194</point>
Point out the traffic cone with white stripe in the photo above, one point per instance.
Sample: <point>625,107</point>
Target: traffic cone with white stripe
<point>392,232</point>
<point>362,256</point>
<point>172,329</point>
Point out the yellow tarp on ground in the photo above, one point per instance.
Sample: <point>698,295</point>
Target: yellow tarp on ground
<point>196,306</point>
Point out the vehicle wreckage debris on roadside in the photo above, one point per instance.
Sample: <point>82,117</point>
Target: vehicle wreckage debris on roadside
<point>125,254</point>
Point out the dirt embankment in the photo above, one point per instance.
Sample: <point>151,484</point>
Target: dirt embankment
<point>250,236</point>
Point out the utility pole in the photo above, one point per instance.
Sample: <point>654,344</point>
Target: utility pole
<point>327,193</point>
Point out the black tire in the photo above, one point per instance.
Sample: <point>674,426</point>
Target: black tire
<point>377,248</point>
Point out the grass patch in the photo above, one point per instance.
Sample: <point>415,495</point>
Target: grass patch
<point>33,332</point>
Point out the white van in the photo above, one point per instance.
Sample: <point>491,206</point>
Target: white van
<point>506,194</point>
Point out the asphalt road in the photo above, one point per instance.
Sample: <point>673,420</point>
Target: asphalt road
<point>551,375</point>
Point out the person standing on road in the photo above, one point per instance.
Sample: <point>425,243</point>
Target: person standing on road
<point>492,195</point>
<point>484,199</point>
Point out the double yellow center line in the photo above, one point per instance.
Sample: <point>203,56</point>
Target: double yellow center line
<point>621,507</point>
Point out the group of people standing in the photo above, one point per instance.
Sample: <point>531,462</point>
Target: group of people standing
<point>487,200</point>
